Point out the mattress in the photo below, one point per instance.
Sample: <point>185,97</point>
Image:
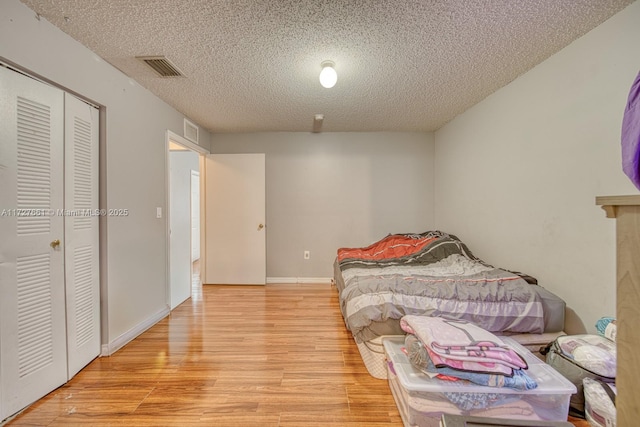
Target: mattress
<point>372,353</point>
<point>435,273</point>
<point>552,305</point>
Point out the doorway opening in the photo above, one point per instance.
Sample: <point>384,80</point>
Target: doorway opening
<point>185,162</point>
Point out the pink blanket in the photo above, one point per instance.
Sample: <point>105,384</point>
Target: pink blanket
<point>462,345</point>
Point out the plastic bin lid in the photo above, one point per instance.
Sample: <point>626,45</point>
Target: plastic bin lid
<point>548,379</point>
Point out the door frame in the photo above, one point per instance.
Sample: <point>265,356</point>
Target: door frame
<point>172,137</point>
<point>195,178</point>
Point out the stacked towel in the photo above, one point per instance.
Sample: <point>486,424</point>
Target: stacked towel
<point>606,327</point>
<point>459,350</point>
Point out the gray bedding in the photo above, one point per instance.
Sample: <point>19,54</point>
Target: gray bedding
<point>453,283</point>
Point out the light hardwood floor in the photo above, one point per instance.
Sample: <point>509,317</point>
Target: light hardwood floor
<point>275,355</point>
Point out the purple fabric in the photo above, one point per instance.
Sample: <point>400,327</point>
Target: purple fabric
<point>631,134</point>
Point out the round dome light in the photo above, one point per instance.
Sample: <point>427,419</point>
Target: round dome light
<point>328,75</point>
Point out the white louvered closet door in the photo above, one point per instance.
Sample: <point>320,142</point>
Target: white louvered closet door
<point>33,357</point>
<point>81,233</point>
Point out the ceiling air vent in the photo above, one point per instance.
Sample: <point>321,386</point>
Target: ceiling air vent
<point>162,66</point>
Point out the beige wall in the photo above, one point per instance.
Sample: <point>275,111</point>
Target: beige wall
<point>331,190</point>
<point>517,174</point>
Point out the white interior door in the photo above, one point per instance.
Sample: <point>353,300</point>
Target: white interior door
<point>235,219</point>
<point>181,164</point>
<point>33,357</point>
<point>195,216</point>
<point>82,275</point>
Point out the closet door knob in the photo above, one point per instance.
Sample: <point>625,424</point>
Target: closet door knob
<point>260,227</point>
<point>55,243</point>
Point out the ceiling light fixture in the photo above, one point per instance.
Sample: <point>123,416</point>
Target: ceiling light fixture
<point>328,75</point>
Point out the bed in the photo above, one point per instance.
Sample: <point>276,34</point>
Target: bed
<point>435,274</point>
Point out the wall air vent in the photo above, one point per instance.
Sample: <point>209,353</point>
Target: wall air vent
<point>161,65</point>
<point>191,131</point>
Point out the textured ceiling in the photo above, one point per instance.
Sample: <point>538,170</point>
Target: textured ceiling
<point>250,66</point>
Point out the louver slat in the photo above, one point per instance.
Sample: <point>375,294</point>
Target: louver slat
<point>162,66</point>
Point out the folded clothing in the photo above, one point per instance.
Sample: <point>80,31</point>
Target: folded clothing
<point>420,357</point>
<point>461,341</point>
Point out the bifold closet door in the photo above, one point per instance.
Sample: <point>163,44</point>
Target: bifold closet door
<point>82,276</point>
<point>33,345</point>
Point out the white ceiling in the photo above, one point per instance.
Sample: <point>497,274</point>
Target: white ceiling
<point>251,66</point>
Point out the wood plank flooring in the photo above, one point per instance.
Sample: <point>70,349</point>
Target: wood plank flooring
<point>275,355</point>
<point>272,356</point>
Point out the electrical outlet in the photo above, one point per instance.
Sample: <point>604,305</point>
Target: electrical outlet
<point>307,255</point>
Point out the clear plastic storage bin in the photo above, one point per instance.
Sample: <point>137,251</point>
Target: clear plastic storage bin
<point>422,400</point>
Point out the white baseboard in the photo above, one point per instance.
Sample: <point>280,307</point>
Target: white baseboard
<point>287,280</point>
<point>124,339</point>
